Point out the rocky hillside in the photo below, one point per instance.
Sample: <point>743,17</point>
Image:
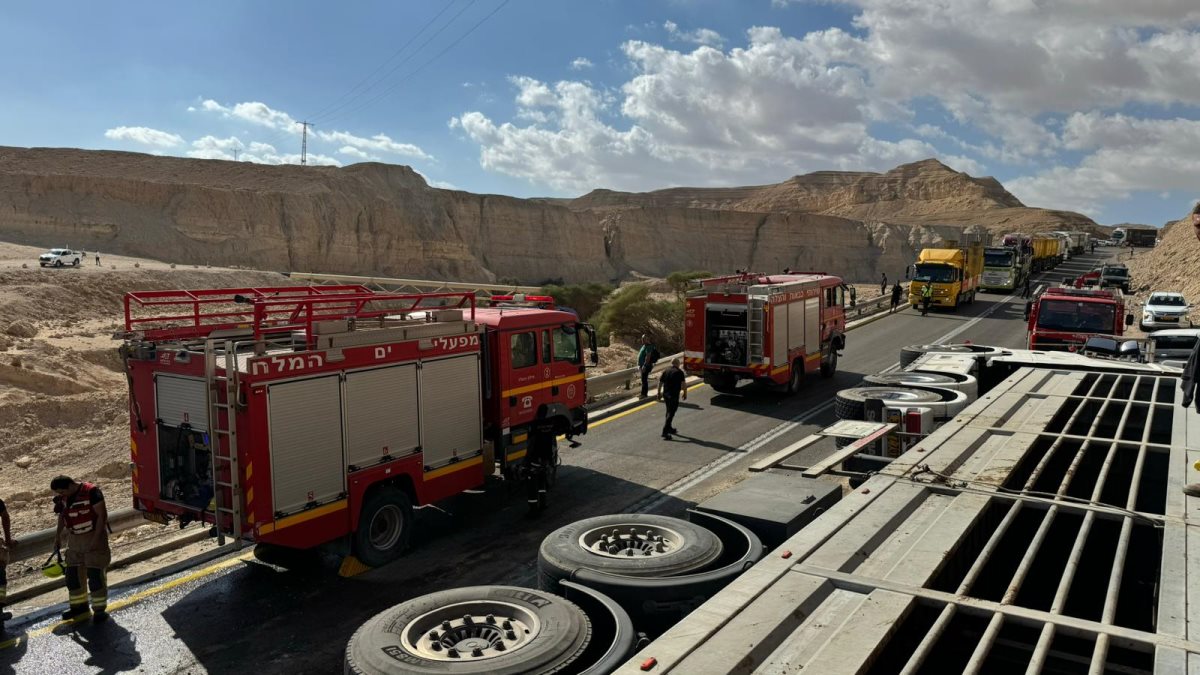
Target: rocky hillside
<point>378,219</point>
<point>1170,266</point>
<point>922,193</point>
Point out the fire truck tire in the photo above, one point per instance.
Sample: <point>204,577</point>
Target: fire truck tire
<point>796,377</point>
<point>723,383</point>
<point>545,634</point>
<point>850,404</point>
<point>829,365</point>
<point>569,549</point>
<point>384,527</point>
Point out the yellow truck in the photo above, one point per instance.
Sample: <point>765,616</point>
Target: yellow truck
<point>954,272</point>
<point>1047,252</point>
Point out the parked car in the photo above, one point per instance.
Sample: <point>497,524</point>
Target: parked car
<point>1173,346</point>
<point>57,257</point>
<point>1165,310</point>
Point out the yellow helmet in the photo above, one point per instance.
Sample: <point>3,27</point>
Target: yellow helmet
<point>53,568</point>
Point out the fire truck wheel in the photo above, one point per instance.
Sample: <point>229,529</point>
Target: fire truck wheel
<point>631,545</point>
<point>829,365</point>
<point>723,383</point>
<point>850,404</point>
<point>498,630</point>
<point>384,527</point>
<point>796,379</point>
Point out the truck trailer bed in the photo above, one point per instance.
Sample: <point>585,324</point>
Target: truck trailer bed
<point>1042,530</point>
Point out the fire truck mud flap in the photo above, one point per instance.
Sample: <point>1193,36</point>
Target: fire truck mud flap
<point>498,630</point>
<point>913,352</point>
<point>655,590</point>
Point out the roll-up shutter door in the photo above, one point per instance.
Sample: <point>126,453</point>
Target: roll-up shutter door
<point>179,400</point>
<point>779,334</point>
<point>812,326</point>
<point>381,414</point>
<point>306,443</point>
<point>450,410</point>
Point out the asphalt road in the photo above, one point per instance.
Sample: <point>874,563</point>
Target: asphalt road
<point>240,615</point>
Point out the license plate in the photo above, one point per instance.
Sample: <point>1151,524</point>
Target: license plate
<point>1168,318</point>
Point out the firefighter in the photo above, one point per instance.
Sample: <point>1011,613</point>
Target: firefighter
<point>896,291</point>
<point>5,545</point>
<point>670,386</point>
<point>926,297</point>
<point>648,355</point>
<point>83,516</point>
<point>1025,290</point>
<point>540,459</point>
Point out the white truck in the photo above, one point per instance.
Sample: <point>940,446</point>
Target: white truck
<point>58,257</point>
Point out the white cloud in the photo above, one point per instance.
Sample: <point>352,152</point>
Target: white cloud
<point>378,143</point>
<point>255,112</point>
<point>351,151</point>
<point>211,147</point>
<point>145,136</point>
<point>581,63</point>
<point>1127,155</point>
<point>700,36</point>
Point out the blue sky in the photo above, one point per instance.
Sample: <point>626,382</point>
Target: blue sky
<point>1090,105</point>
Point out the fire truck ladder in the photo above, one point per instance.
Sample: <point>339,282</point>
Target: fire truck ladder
<point>227,428</point>
<point>756,329</point>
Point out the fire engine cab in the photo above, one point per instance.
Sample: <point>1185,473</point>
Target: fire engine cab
<point>769,328</point>
<point>300,415</point>
<point>1063,318</point>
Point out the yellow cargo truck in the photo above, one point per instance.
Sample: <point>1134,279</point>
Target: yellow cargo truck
<point>954,273</point>
<point>1046,252</point>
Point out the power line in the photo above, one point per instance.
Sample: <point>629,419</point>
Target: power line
<point>381,66</point>
<point>331,111</point>
<point>402,80</point>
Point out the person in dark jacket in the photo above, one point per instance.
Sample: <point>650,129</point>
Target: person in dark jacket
<point>5,545</point>
<point>541,459</point>
<point>896,291</point>
<point>671,386</point>
<point>648,355</point>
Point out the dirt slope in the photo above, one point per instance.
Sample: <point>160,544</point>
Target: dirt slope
<point>1173,265</point>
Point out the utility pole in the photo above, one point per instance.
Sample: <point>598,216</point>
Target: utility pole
<point>235,154</point>
<point>304,144</point>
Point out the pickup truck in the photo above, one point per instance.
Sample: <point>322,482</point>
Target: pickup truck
<point>58,257</point>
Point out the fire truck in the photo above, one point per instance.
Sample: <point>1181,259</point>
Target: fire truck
<point>1063,318</point>
<point>772,329</point>
<point>299,416</point>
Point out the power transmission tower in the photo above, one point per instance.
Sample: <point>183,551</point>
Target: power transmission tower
<point>235,154</point>
<point>304,144</point>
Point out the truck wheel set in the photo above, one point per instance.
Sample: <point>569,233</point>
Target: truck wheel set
<point>600,581</point>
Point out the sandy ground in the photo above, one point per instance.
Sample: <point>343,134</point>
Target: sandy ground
<point>63,399</point>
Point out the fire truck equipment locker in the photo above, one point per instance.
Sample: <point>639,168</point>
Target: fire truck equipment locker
<point>382,420</point>
<point>307,466</point>
<point>779,330</point>
<point>450,395</point>
<point>181,400</point>
<point>812,326</point>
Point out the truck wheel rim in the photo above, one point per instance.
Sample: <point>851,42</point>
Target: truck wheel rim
<point>470,631</point>
<point>631,541</point>
<point>386,527</point>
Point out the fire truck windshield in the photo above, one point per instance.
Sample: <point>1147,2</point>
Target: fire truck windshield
<point>1076,317</point>
<point>938,274</point>
<point>998,259</point>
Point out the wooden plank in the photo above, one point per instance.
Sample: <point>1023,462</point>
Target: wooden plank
<point>777,457</point>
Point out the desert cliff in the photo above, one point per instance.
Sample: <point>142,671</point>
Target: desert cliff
<point>380,219</point>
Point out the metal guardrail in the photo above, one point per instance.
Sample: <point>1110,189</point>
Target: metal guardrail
<point>414,285</point>
<point>41,543</point>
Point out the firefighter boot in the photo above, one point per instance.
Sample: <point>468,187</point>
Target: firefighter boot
<point>76,594</point>
<point>98,583</point>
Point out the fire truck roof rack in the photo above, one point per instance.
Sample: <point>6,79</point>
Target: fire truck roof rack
<point>1105,293</point>
<point>176,315</point>
<point>522,300</point>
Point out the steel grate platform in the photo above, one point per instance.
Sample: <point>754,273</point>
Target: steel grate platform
<point>1043,530</point>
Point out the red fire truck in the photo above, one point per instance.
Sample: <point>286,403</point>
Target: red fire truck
<point>300,415</point>
<point>1063,318</point>
<point>769,328</point>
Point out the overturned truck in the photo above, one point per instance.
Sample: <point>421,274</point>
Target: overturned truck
<point>1044,530</point>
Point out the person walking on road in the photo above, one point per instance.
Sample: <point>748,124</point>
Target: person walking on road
<point>883,284</point>
<point>926,298</point>
<point>541,461</point>
<point>97,258</point>
<point>1093,248</point>
<point>83,517</point>
<point>896,291</point>
<point>670,388</point>
<point>648,355</point>
<point>1025,290</point>
<point>5,546</point>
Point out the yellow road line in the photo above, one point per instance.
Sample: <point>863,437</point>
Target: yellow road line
<point>136,597</point>
<point>226,564</point>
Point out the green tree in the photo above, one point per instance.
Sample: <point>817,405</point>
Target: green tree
<point>680,280</point>
<point>630,313</point>
<point>583,298</point>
